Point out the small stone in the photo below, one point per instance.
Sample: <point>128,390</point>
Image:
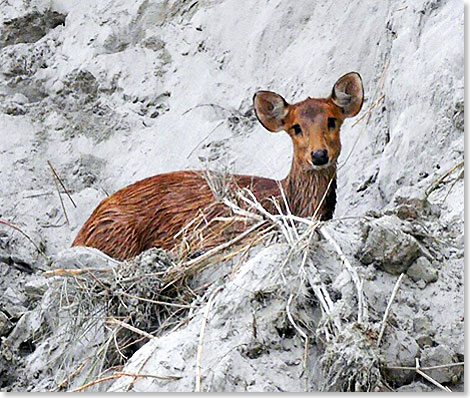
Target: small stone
<point>422,270</point>
<point>416,386</point>
<point>441,355</point>
<point>20,98</point>
<point>410,203</point>
<point>421,284</point>
<point>14,109</point>
<point>14,296</point>
<point>253,350</point>
<point>36,288</point>
<point>387,246</point>
<point>57,87</point>
<point>25,329</point>
<point>71,257</point>
<point>425,305</point>
<point>424,340</point>
<point>399,349</point>
<point>422,325</point>
<point>5,324</point>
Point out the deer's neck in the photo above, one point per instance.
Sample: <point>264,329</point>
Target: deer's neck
<point>312,192</point>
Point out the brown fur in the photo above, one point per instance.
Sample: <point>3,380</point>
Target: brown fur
<point>154,212</point>
<point>151,212</point>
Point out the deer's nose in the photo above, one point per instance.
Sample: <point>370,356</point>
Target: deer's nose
<point>320,158</point>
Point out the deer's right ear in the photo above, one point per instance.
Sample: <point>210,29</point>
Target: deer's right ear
<point>271,110</point>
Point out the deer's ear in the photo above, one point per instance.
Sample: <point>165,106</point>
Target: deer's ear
<point>271,110</point>
<point>348,94</point>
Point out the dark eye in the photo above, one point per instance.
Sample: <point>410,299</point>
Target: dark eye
<point>331,123</point>
<point>297,130</point>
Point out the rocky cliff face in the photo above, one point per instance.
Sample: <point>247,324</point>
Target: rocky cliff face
<point>107,93</point>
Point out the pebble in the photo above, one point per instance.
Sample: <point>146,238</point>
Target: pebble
<point>441,355</point>
<point>387,246</point>
<point>422,270</point>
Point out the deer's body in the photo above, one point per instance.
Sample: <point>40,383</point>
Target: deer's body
<point>153,212</point>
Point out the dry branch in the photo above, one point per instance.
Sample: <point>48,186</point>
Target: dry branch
<point>73,272</point>
<point>8,224</point>
<point>61,201</point>
<point>158,301</point>
<point>436,183</point>
<point>61,183</point>
<point>118,375</point>
<point>224,246</point>
<point>67,380</point>
<point>113,321</point>
<point>429,378</point>
<point>148,376</point>
<point>387,310</point>
<point>362,314</point>
<point>291,319</point>
<point>200,347</point>
<point>449,365</point>
<point>94,383</point>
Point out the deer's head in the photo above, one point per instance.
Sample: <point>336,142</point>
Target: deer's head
<point>314,123</point>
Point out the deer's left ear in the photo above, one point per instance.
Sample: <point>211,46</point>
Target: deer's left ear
<point>348,94</point>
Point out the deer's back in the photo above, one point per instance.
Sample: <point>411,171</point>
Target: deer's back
<point>153,212</point>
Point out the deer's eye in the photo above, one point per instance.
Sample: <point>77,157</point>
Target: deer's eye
<point>297,130</point>
<point>331,123</point>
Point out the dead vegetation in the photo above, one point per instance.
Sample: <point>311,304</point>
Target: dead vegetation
<point>149,295</point>
<point>131,302</point>
<point>134,301</point>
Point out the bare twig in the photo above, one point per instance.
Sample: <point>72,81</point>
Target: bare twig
<point>212,106</point>
<point>324,298</point>
<point>114,321</point>
<point>256,205</point>
<point>305,360</point>
<point>401,9</point>
<point>286,204</point>
<point>200,347</point>
<point>205,138</point>
<point>73,272</point>
<point>387,310</point>
<point>453,184</point>
<point>429,378</point>
<point>116,344</point>
<point>224,246</point>
<point>37,195</point>
<point>369,111</point>
<point>118,375</point>
<point>144,363</point>
<point>95,382</point>
<point>436,183</point>
<point>61,183</point>
<point>291,319</point>
<point>148,376</point>
<point>449,365</point>
<point>61,201</point>
<point>157,302</point>
<point>317,210</point>
<point>8,224</point>
<point>66,381</point>
<point>242,212</point>
<point>362,310</point>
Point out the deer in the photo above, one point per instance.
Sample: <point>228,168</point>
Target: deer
<point>153,212</point>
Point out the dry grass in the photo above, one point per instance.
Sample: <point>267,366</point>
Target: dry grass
<point>351,356</point>
<point>127,303</point>
<point>149,295</point>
